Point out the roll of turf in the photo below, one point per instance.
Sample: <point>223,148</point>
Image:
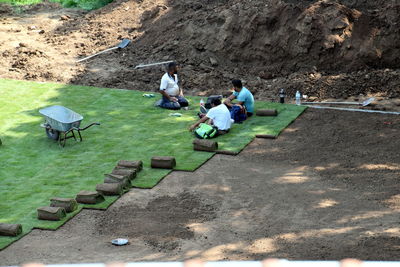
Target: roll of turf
<point>205,145</point>
<point>267,112</point>
<point>7,229</point>
<point>163,162</point>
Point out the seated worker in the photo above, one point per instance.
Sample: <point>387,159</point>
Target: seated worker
<point>172,95</point>
<point>218,116</point>
<point>243,96</point>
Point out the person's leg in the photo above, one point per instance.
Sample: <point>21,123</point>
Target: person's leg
<point>249,114</point>
<point>169,104</point>
<point>182,101</point>
<point>222,132</point>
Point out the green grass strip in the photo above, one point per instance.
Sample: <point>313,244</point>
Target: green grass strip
<point>82,4</point>
<point>34,168</point>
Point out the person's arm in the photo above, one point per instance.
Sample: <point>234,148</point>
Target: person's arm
<point>241,99</point>
<point>202,120</point>
<point>180,88</point>
<point>240,104</point>
<point>170,98</point>
<point>163,87</point>
<point>228,101</point>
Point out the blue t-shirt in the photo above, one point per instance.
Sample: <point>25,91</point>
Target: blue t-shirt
<point>246,97</point>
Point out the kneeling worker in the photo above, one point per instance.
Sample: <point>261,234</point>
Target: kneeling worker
<point>172,95</point>
<point>243,96</point>
<point>218,116</point>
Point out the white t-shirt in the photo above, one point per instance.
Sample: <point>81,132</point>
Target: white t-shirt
<point>221,117</point>
<point>169,85</point>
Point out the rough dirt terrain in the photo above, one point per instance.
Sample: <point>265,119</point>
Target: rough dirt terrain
<point>327,188</point>
<point>326,49</point>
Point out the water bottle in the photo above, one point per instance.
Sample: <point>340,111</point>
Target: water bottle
<point>298,98</point>
<point>282,96</point>
<point>202,102</point>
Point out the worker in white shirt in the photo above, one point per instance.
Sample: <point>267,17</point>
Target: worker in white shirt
<point>172,94</point>
<point>218,116</point>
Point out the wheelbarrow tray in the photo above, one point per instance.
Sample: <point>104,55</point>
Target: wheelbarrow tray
<point>61,118</point>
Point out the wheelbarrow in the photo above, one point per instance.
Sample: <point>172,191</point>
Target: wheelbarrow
<point>62,123</point>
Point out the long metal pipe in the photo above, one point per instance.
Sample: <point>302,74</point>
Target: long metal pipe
<point>356,110</point>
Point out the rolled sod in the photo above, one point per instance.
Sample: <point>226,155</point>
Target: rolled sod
<point>126,175</point>
<point>131,173</point>
<point>114,178</point>
<point>227,152</point>
<point>7,229</point>
<point>131,164</point>
<point>69,204</point>
<point>205,145</point>
<point>89,197</point>
<point>163,162</point>
<point>110,189</point>
<point>51,213</point>
<point>266,136</point>
<point>267,112</point>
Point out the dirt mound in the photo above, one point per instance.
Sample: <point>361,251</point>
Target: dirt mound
<point>262,42</point>
<point>259,41</point>
<point>5,9</point>
<point>21,60</point>
<point>167,218</point>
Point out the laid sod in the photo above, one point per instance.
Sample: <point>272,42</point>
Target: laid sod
<point>35,169</point>
<point>83,4</point>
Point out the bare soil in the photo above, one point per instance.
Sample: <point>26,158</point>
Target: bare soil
<point>327,188</point>
<point>341,49</point>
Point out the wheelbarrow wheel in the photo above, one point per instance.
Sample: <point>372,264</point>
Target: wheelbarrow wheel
<point>52,134</point>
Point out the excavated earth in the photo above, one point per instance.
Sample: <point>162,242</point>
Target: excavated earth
<point>326,49</point>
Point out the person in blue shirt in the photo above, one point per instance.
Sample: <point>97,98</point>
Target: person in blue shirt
<point>244,97</point>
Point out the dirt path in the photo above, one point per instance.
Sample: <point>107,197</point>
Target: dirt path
<point>327,188</point>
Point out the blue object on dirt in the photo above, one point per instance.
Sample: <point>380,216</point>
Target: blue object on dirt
<point>124,43</point>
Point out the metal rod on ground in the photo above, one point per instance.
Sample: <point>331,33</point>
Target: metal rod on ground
<point>364,103</point>
<point>357,110</point>
<point>124,43</point>
<point>101,52</point>
<point>331,103</point>
<point>152,64</point>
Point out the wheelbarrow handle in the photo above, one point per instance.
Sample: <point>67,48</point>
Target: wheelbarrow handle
<point>90,125</point>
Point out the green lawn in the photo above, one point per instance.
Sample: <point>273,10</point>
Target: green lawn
<point>34,168</point>
<point>83,4</point>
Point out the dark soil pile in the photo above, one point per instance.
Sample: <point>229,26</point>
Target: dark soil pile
<point>326,48</point>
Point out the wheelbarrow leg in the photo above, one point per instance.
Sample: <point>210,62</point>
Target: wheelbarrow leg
<point>80,136</point>
<point>63,139</point>
<point>73,134</point>
<point>60,139</point>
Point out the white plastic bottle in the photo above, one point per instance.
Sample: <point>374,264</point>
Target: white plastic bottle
<point>298,98</point>
<point>201,102</point>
